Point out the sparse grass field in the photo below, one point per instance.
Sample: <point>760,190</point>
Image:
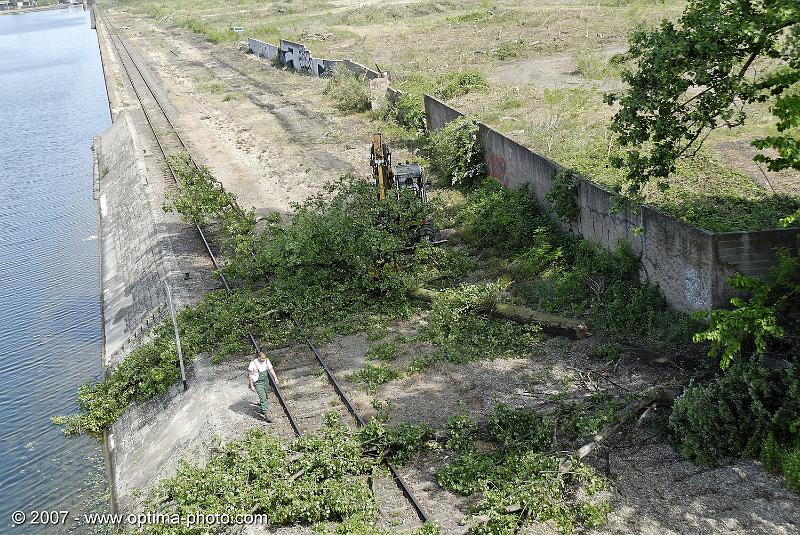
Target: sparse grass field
<point>546,64</point>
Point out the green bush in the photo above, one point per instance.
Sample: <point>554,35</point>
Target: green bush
<point>456,154</point>
<point>350,93</point>
<point>753,322</point>
<point>791,468</point>
<point>409,111</point>
<point>504,221</point>
<point>562,195</point>
<point>748,410</point>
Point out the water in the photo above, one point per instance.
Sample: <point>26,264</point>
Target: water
<point>52,103</point>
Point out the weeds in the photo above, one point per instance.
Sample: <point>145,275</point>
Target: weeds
<point>348,92</point>
<point>457,84</point>
<point>384,352</point>
<point>371,377</point>
<point>207,30</point>
<point>510,50</point>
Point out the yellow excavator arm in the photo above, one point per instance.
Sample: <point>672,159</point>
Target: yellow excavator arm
<point>381,161</point>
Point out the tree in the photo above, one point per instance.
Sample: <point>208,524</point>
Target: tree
<point>699,74</point>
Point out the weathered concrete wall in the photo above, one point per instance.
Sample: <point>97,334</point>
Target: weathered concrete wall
<point>359,69</point>
<point>689,265</point>
<point>136,258</point>
<point>293,54</point>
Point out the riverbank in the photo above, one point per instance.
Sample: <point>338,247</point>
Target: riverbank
<point>271,137</point>
<point>21,10</point>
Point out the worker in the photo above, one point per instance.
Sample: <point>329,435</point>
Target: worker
<point>258,373</point>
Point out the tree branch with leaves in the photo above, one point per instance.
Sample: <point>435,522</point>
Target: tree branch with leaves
<point>700,74</point>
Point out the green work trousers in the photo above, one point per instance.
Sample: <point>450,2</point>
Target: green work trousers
<point>262,388</point>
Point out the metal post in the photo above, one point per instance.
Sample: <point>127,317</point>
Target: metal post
<point>177,335</point>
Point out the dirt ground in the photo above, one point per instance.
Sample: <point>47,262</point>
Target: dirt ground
<point>272,138</point>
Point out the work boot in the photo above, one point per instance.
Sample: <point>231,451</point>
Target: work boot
<point>266,417</point>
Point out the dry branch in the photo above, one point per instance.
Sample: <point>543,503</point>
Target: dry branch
<point>663,398</point>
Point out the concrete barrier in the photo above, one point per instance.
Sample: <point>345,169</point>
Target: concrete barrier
<point>689,265</point>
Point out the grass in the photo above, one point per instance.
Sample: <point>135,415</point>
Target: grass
<point>568,125</point>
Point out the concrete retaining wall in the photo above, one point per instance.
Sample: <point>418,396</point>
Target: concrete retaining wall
<point>688,264</point>
<point>135,257</point>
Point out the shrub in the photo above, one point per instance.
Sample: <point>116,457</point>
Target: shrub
<point>349,92</point>
<point>409,111</point>
<point>456,153</point>
<point>748,410</point>
<point>562,195</point>
<point>753,321</point>
<point>791,468</point>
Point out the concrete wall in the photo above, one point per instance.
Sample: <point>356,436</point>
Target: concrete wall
<point>688,264</point>
<point>293,54</point>
<point>136,258</point>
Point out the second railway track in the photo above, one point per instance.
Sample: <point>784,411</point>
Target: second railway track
<point>302,403</point>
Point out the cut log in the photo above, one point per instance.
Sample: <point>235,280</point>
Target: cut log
<point>550,323</point>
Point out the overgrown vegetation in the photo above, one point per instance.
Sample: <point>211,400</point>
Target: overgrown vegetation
<point>330,266</point>
<point>562,195</point>
<point>350,93</point>
<point>318,478</point>
<point>751,407</point>
<point>519,478</point>
<point>559,273</point>
<point>456,153</point>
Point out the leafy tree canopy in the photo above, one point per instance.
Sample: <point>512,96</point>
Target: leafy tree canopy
<point>699,74</point>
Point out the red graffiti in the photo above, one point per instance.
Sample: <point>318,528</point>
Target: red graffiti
<point>497,168</point>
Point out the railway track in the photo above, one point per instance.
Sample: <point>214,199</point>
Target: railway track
<point>304,385</point>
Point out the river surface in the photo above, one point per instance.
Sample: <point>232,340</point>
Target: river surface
<point>52,103</point>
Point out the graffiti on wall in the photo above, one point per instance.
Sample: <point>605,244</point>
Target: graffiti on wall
<point>698,291</point>
<point>293,54</point>
<point>497,168</point>
<point>262,49</point>
<point>299,57</point>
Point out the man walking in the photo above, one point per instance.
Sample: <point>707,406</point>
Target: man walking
<point>258,374</point>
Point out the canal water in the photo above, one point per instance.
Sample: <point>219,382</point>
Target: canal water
<point>52,103</point>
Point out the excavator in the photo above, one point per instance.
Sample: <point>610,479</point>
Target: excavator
<point>394,181</point>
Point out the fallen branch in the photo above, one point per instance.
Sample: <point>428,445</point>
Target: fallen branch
<point>550,323</point>
<point>663,398</point>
